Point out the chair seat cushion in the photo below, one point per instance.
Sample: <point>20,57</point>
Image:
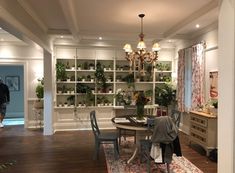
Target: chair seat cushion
<point>108,136</point>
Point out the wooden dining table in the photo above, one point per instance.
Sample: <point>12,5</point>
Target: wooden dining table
<point>130,123</point>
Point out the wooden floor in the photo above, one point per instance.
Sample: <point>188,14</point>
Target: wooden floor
<point>68,152</point>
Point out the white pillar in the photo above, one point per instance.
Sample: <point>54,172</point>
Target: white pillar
<point>226,88</point>
<point>48,94</point>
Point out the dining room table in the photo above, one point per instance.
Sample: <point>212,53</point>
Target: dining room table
<point>132,123</point>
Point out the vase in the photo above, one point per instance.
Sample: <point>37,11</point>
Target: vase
<point>140,111</point>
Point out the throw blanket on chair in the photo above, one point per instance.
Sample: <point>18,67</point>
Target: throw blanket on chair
<point>165,134</point>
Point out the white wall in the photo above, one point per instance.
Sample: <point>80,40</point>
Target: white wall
<point>226,88</point>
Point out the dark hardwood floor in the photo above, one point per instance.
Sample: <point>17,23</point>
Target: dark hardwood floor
<point>68,152</point>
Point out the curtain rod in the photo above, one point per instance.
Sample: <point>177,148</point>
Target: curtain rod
<point>203,42</point>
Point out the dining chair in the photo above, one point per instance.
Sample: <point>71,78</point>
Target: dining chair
<point>176,117</point>
<point>103,138</point>
<point>150,110</point>
<point>145,145</point>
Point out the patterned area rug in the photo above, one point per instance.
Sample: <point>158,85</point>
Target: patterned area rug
<point>178,165</point>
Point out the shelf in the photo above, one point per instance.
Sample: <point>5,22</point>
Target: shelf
<point>86,70</point>
<point>85,82</point>
<point>64,82</point>
<point>65,94</point>
<point>144,82</point>
<point>163,71</point>
<point>103,93</point>
<point>64,107</point>
<point>122,71</point>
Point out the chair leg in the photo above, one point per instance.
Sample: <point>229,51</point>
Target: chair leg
<point>168,167</point>
<point>116,150</point>
<point>120,136</point>
<point>97,149</point>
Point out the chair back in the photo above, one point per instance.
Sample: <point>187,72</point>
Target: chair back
<point>175,115</point>
<point>150,110</point>
<point>150,126</point>
<point>94,124</point>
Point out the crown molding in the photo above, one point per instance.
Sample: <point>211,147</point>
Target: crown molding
<point>202,11</point>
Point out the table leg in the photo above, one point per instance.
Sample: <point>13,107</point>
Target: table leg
<point>139,135</point>
<point>133,155</point>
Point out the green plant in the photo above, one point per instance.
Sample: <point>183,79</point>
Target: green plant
<point>40,89</point>
<point>215,103</point>
<point>165,94</point>
<point>100,77</point>
<point>129,79</point>
<point>60,71</point>
<point>71,99</point>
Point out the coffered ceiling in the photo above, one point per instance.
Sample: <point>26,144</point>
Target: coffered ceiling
<point>118,19</point>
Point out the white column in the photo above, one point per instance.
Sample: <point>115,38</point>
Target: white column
<point>48,94</point>
<point>226,87</point>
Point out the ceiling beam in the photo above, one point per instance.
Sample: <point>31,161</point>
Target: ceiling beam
<point>204,10</point>
<point>70,16</point>
<point>28,8</point>
<point>18,22</point>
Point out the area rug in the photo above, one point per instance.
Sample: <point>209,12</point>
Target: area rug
<point>178,165</point>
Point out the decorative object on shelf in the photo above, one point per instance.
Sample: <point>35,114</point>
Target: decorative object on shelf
<point>100,77</point>
<point>123,98</point>
<point>142,55</point>
<point>38,104</point>
<point>60,71</point>
<point>71,100</point>
<point>129,79</point>
<point>140,101</point>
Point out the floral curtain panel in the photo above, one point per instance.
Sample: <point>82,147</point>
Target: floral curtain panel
<point>190,82</point>
<point>181,80</point>
<point>198,76</point>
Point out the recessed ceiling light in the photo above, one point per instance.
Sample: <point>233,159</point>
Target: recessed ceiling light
<point>100,38</point>
<point>197,25</point>
<point>2,39</point>
<point>170,41</point>
<point>61,36</point>
<point>0,28</point>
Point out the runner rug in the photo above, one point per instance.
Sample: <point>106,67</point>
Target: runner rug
<point>178,165</point>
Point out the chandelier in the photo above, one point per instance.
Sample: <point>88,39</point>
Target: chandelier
<point>138,58</point>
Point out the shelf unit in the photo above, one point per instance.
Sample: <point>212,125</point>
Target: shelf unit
<point>80,69</point>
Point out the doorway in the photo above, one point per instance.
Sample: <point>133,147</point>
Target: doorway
<point>13,77</point>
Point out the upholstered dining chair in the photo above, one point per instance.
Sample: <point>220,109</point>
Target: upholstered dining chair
<point>165,133</point>
<point>103,138</point>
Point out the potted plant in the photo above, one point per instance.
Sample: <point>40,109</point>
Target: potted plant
<point>165,95</point>
<point>100,77</point>
<point>60,71</point>
<point>129,79</point>
<point>38,104</point>
<point>91,66</point>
